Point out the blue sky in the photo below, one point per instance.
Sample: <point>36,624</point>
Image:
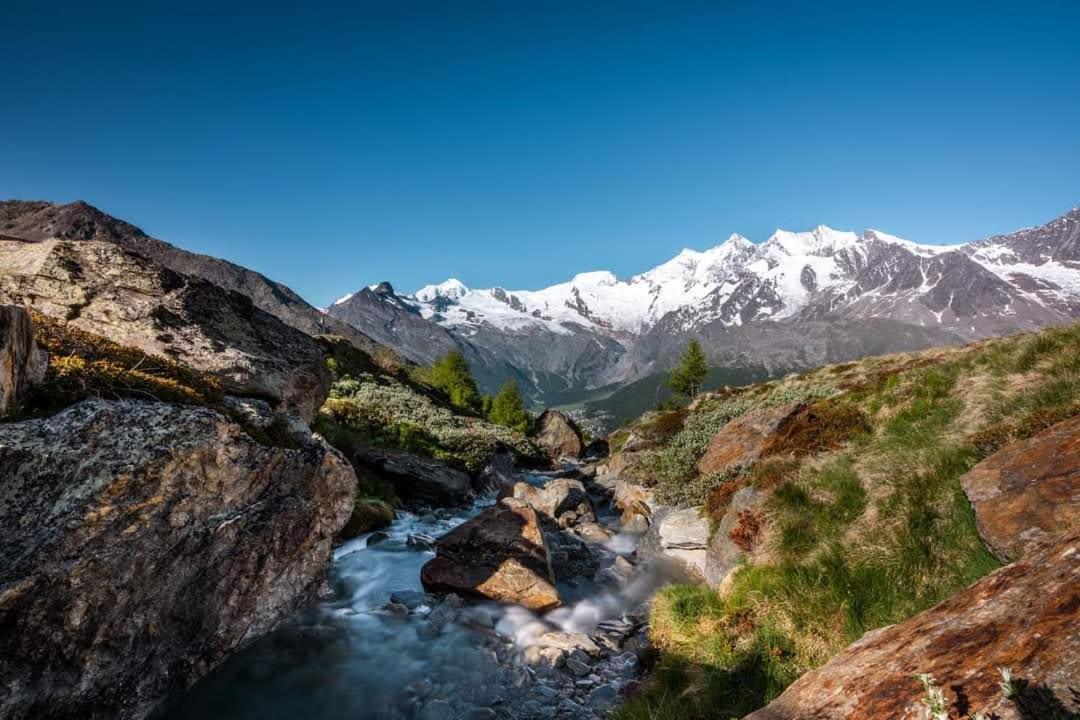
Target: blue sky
<point>517,143</point>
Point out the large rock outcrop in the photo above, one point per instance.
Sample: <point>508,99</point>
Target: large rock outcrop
<point>1027,492</point>
<point>744,439</point>
<point>101,288</point>
<point>37,221</point>
<point>1022,617</point>
<point>143,542</point>
<point>500,555</point>
<point>22,362</point>
<point>558,435</point>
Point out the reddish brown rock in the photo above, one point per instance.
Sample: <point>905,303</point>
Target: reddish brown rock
<point>1027,492</point>
<point>1022,617</point>
<point>743,440</point>
<point>500,554</point>
<point>22,362</point>
<point>558,435</point>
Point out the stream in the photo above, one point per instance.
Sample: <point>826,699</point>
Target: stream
<point>380,647</point>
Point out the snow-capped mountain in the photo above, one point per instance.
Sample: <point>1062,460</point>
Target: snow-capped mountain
<point>849,288</point>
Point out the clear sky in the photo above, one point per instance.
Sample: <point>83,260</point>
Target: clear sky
<point>516,143</point>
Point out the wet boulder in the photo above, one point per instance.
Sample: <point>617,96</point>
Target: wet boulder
<point>562,500</point>
<point>22,362</point>
<point>1021,617</point>
<point>500,554</point>
<point>744,439</point>
<point>1027,492</point>
<point>558,435</point>
<point>416,478</point>
<point>143,543</point>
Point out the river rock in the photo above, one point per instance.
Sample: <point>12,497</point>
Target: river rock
<point>106,290</point>
<point>143,543</point>
<point>723,554</point>
<point>22,362</point>
<point>1027,492</point>
<point>742,441</point>
<point>1021,617</point>
<point>563,500</point>
<point>558,435</point>
<point>570,556</point>
<point>682,535</point>
<point>416,478</point>
<point>500,554</point>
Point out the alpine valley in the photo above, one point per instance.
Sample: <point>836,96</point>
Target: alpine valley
<point>795,301</point>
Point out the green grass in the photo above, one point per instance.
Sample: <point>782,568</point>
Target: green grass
<point>862,536</point>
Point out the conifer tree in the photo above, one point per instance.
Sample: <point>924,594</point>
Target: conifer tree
<point>508,409</point>
<point>688,376</point>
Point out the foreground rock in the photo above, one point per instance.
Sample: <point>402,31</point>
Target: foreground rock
<point>1027,492</point>
<point>1022,617</point>
<point>744,439</point>
<point>22,363</point>
<point>143,542</point>
<point>500,554</point>
<point>416,478</point>
<point>558,435</point>
<point>101,288</point>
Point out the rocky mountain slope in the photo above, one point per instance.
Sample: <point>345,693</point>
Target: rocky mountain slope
<point>818,509</point>
<point>38,221</point>
<point>850,294</point>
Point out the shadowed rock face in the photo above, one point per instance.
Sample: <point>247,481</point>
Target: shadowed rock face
<point>22,363</point>
<point>143,542</point>
<point>1027,492</point>
<point>417,478</point>
<point>500,554</point>
<point>101,288</point>
<point>1021,617</point>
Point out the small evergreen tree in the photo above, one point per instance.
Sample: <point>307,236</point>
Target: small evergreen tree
<point>508,409</point>
<point>690,373</point>
<point>450,374</point>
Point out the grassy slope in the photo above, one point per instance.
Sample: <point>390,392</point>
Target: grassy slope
<point>860,533</point>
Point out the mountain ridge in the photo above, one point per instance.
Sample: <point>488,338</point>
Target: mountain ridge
<point>822,295</point>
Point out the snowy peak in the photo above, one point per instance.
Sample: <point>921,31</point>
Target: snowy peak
<point>452,289</point>
<point>822,240</point>
<point>822,272</point>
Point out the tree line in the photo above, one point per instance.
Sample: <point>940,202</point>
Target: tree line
<point>450,375</point>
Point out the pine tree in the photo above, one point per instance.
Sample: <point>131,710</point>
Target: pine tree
<point>689,375</point>
<point>451,375</point>
<point>508,408</point>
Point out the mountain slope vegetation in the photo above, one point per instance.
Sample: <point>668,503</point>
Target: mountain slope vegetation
<point>864,523</point>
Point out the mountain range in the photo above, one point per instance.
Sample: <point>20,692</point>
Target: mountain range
<point>794,301</point>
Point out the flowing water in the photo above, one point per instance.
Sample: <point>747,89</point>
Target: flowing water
<point>356,655</point>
